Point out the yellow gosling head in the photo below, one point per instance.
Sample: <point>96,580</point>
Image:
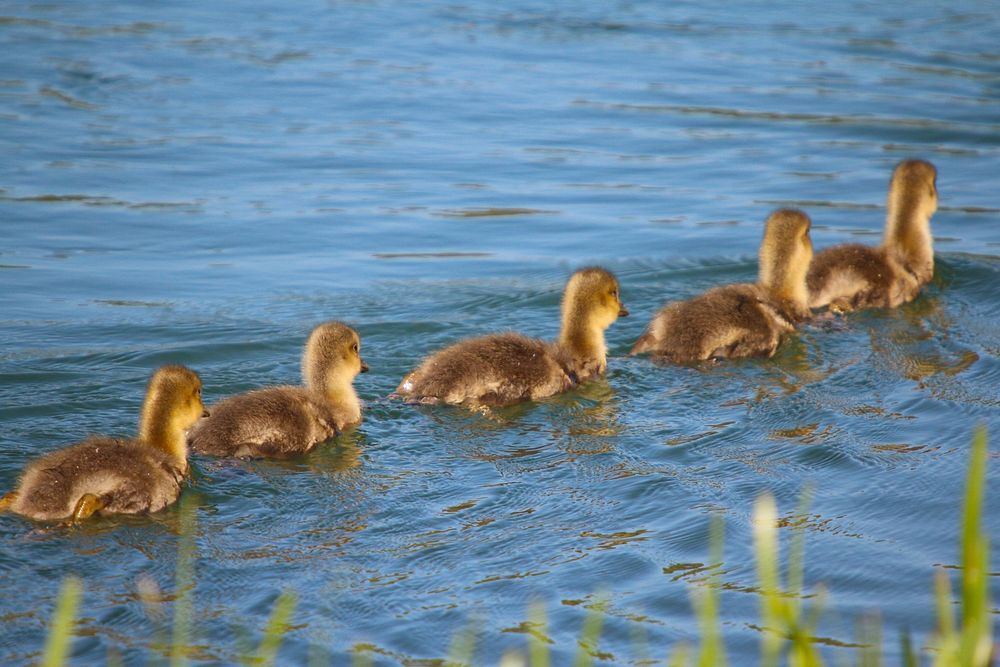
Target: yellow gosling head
<point>172,405</point>
<point>785,254</point>
<point>591,300</point>
<point>332,357</point>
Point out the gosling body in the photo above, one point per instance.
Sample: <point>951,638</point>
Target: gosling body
<point>118,476</point>
<point>854,276</point>
<point>506,368</point>
<point>278,422</point>
<point>741,320</point>
<point>129,478</point>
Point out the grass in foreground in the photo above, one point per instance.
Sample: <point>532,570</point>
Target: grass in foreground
<point>787,627</point>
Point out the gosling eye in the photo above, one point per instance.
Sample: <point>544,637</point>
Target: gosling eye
<point>354,348</point>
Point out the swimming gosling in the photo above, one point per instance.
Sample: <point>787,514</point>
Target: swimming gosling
<point>278,422</point>
<point>742,320</point>
<point>505,368</point>
<point>853,276</point>
<point>114,476</point>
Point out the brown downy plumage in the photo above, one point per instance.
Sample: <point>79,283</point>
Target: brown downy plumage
<point>743,320</point>
<point>852,276</point>
<point>283,421</point>
<point>505,368</point>
<point>114,476</point>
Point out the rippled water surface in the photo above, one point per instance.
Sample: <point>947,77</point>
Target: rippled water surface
<point>201,183</point>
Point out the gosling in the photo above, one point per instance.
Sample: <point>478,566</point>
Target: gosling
<point>742,320</point>
<point>506,368</point>
<point>852,276</point>
<point>114,476</point>
<point>278,422</point>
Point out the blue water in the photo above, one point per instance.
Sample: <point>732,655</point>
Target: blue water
<point>203,182</point>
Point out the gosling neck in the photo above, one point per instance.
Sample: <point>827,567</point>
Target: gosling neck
<point>581,339</point>
<point>339,390</point>
<point>908,235</point>
<point>788,287</point>
<point>161,429</point>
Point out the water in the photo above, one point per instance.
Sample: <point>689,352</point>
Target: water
<point>203,183</point>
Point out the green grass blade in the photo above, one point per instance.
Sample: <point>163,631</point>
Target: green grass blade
<point>800,625</point>
<point>976,637</point>
<point>679,658</point>
<point>765,516</point>
<point>975,490</point>
<point>942,599</point>
<point>184,585</point>
<point>276,628</point>
<point>640,644</point>
<point>797,552</point>
<point>906,648</point>
<point>712,652</point>
<point>463,646</point>
<point>806,630</point>
<point>60,635</point>
<point>591,633</point>
<point>512,659</point>
<point>870,636</point>
<point>970,641</point>
<point>946,643</point>
<point>538,651</point>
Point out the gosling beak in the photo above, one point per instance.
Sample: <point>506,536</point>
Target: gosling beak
<point>204,412</point>
<point>364,366</point>
<point>622,310</point>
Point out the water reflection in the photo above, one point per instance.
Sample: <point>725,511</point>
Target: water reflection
<point>917,345</point>
<point>590,423</point>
